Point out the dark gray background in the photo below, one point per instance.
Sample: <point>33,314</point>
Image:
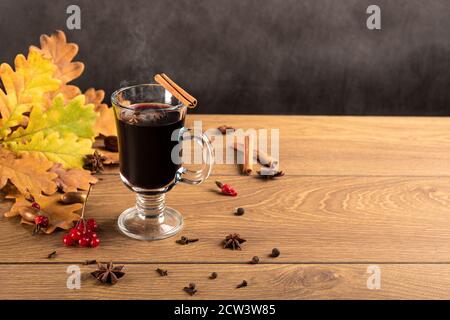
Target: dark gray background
<point>257,56</point>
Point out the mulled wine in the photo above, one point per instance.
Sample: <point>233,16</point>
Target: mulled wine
<point>145,144</point>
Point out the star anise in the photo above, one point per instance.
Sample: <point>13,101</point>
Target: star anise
<point>233,241</point>
<point>94,162</point>
<point>132,117</point>
<point>108,273</point>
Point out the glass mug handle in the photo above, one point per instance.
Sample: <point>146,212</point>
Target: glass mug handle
<point>196,176</point>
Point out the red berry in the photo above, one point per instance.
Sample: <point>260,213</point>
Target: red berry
<point>95,242</point>
<point>93,235</point>
<point>92,224</point>
<point>41,221</point>
<point>84,241</point>
<point>68,240</point>
<point>36,206</point>
<point>75,234</point>
<point>228,190</point>
<point>80,226</point>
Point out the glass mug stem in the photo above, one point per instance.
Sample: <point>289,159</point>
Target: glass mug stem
<point>151,206</point>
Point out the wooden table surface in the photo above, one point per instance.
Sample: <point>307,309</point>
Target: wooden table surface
<point>358,192</point>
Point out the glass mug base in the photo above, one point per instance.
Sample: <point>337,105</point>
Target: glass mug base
<point>155,227</point>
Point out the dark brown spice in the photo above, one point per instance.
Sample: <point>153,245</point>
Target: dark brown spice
<point>242,284</point>
<point>185,240</point>
<point>190,289</point>
<point>51,255</point>
<point>270,174</point>
<point>162,272</point>
<point>233,241</point>
<point>108,273</point>
<point>111,143</point>
<point>94,162</point>
<point>255,260</point>
<point>88,262</point>
<point>223,129</point>
<point>213,275</point>
<point>275,253</point>
<point>132,118</point>
<point>239,211</point>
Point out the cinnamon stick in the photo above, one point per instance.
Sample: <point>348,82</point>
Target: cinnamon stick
<point>264,158</point>
<point>247,168</point>
<point>267,160</point>
<point>176,90</point>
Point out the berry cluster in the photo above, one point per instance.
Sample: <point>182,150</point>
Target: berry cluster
<point>83,234</point>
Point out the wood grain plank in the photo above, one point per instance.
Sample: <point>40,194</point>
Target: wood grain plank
<point>264,282</point>
<point>324,145</point>
<point>310,219</point>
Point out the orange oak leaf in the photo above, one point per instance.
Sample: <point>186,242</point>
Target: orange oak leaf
<point>70,180</point>
<point>69,92</point>
<point>105,124</point>
<point>28,173</point>
<point>59,215</point>
<point>62,53</point>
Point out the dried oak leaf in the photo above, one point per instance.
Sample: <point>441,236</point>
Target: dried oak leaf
<point>108,273</point>
<point>70,180</point>
<point>59,215</point>
<point>28,173</point>
<point>62,53</point>
<point>105,124</point>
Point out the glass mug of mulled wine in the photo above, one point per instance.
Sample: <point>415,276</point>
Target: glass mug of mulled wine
<point>150,128</point>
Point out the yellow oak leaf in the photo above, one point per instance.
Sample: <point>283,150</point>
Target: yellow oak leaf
<point>68,150</point>
<point>62,134</point>
<point>70,180</point>
<point>59,215</point>
<point>28,173</point>
<point>24,88</point>
<point>74,117</point>
<point>105,124</point>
